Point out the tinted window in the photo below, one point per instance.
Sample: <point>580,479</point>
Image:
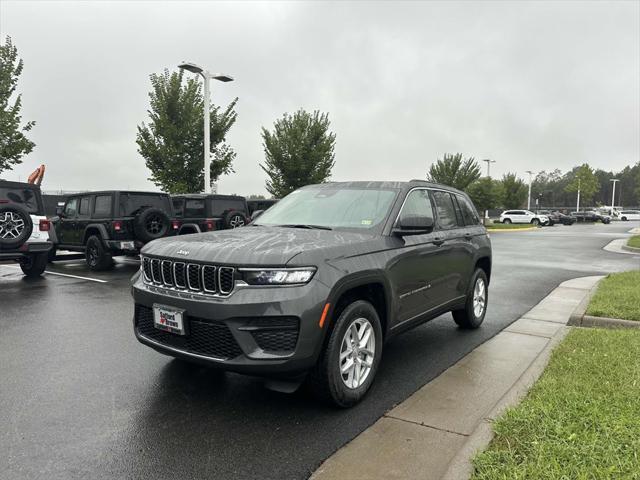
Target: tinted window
<point>178,207</point>
<point>84,206</point>
<point>102,206</point>
<point>23,196</point>
<point>417,203</point>
<point>445,208</point>
<point>469,214</point>
<point>194,208</point>
<point>132,203</point>
<point>335,207</point>
<point>220,207</point>
<point>71,209</point>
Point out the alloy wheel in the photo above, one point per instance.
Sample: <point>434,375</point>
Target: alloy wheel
<point>236,221</point>
<point>479,297</point>
<point>357,352</point>
<point>11,225</point>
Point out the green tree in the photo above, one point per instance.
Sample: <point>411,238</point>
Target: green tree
<point>173,142</point>
<point>584,180</point>
<point>484,193</point>
<point>299,152</point>
<point>513,191</point>
<point>454,171</point>
<point>637,179</point>
<point>13,142</point>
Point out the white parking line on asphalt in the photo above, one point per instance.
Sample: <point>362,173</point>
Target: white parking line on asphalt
<point>64,275</point>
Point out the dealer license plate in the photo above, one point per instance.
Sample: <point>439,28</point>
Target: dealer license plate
<point>168,319</point>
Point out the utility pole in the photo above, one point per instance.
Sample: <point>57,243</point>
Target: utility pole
<point>613,194</point>
<point>578,202</point>
<point>529,196</point>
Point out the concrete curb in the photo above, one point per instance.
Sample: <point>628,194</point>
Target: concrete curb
<point>575,320</point>
<point>631,249</point>
<point>579,317</point>
<point>528,229</point>
<point>461,465</point>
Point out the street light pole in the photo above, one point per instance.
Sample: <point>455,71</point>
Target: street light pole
<point>489,162</point>
<point>613,194</point>
<point>206,76</point>
<point>529,196</point>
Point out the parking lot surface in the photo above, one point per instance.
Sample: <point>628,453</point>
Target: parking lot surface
<point>81,398</point>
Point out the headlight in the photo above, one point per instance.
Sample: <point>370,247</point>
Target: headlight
<point>279,276</point>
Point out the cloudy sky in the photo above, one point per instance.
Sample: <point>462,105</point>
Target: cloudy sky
<point>531,85</point>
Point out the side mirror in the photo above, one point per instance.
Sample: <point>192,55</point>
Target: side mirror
<point>59,211</point>
<point>413,225</point>
<point>256,214</point>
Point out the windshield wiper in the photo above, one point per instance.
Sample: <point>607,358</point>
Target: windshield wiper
<point>306,225</point>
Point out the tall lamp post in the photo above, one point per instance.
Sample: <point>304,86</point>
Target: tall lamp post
<point>489,162</point>
<point>206,76</point>
<point>613,194</point>
<point>529,196</point>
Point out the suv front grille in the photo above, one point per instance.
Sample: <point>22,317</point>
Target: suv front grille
<point>202,337</point>
<point>193,277</point>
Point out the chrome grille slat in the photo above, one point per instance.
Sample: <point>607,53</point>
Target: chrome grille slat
<point>200,278</point>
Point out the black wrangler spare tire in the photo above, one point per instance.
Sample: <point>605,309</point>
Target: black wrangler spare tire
<point>151,224</point>
<point>15,226</point>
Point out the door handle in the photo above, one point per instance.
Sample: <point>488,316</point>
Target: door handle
<point>468,236</point>
<point>438,241</point>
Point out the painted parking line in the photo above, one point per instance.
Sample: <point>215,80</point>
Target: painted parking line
<point>97,280</point>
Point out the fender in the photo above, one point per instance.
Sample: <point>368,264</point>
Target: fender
<point>97,226</point>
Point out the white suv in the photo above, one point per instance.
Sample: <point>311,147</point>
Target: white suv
<point>24,230</point>
<point>629,215</point>
<point>523,216</point>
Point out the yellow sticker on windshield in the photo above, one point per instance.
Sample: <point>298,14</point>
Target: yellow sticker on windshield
<point>366,222</point>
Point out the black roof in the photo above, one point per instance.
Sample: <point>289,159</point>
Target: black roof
<point>7,183</point>
<point>109,192</point>
<point>214,196</point>
<point>387,184</point>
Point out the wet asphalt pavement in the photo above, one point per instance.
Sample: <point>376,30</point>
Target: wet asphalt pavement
<point>81,398</point>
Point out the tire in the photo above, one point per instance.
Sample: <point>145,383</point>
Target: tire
<point>35,265</point>
<point>16,226</point>
<point>624,219</point>
<point>506,221</point>
<point>96,255</point>
<point>535,222</point>
<point>468,317</point>
<point>326,380</point>
<point>51,256</point>
<point>151,224</point>
<point>235,219</point>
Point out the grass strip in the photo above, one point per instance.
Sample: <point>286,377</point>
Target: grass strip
<point>618,296</point>
<point>634,241</point>
<point>509,226</point>
<point>581,420</point>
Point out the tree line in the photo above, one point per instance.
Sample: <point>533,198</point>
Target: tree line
<point>299,150</point>
<point>550,189</point>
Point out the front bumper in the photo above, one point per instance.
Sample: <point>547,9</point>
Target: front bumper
<point>268,331</point>
<point>26,250</point>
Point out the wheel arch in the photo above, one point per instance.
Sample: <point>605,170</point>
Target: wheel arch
<point>484,263</point>
<point>95,229</point>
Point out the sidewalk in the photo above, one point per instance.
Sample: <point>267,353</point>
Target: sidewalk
<point>435,432</point>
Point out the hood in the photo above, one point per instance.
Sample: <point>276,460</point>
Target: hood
<point>262,246</point>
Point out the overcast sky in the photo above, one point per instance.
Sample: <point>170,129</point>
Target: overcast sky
<point>531,85</point>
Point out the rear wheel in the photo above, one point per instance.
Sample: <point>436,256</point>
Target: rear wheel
<point>624,219</point>
<point>35,265</point>
<point>475,309</point>
<point>96,255</point>
<point>506,221</point>
<point>350,361</point>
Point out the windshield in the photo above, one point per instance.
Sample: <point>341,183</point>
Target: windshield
<point>351,208</point>
<point>132,203</point>
<point>22,196</point>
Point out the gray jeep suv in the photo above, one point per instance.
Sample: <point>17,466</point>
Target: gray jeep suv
<point>314,286</point>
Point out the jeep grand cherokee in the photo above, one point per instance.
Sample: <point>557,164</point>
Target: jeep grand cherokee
<point>315,285</point>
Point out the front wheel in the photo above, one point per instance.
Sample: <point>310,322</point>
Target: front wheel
<point>96,255</point>
<point>35,265</point>
<point>350,361</point>
<point>535,222</point>
<point>475,309</point>
<point>624,219</point>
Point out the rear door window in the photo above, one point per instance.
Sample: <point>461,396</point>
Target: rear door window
<point>445,208</point>
<point>83,211</point>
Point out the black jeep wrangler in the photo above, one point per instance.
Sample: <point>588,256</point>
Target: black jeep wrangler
<point>24,229</point>
<point>313,287</point>
<point>110,223</point>
<point>200,212</point>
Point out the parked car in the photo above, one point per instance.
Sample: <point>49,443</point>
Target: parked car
<point>24,229</point>
<point>557,217</point>
<point>591,216</point>
<point>315,286</point>
<point>523,216</point>
<point>260,204</point>
<point>206,212</point>
<point>111,223</point>
<point>626,215</point>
